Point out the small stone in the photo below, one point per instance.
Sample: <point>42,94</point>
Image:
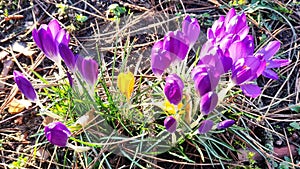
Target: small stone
<point>278,142</point>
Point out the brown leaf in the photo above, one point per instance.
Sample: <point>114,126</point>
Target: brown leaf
<point>86,118</point>
<point>18,47</point>
<point>17,106</point>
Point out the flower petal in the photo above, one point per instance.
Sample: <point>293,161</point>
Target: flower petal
<point>25,86</point>
<point>208,102</point>
<point>275,63</point>
<point>270,74</point>
<point>176,43</point>
<point>54,28</point>
<point>205,126</point>
<point>270,50</point>
<point>57,133</point>
<point>90,71</point>
<point>174,89</point>
<point>225,124</point>
<point>49,45</point>
<point>170,124</point>
<point>36,39</point>
<point>68,56</point>
<point>251,90</point>
<point>125,83</point>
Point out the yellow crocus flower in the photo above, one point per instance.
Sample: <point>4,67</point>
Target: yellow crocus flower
<point>125,83</point>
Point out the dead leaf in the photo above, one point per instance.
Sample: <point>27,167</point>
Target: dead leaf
<point>7,65</point>
<point>86,118</point>
<point>3,54</point>
<point>17,106</point>
<point>20,48</point>
<point>43,154</point>
<point>48,120</point>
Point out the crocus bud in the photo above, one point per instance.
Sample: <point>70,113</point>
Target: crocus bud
<point>48,37</point>
<point>57,133</point>
<point>125,83</point>
<point>208,102</point>
<point>225,124</point>
<point>205,78</point>
<point>160,58</point>
<point>170,124</point>
<point>88,68</point>
<point>190,29</point>
<point>205,126</point>
<point>177,44</point>
<point>67,55</point>
<point>174,89</point>
<point>25,86</point>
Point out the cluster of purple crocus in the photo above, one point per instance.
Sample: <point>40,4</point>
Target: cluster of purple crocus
<point>54,43</point>
<point>229,49</point>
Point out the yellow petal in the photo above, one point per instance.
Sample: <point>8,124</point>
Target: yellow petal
<point>169,108</point>
<point>125,83</point>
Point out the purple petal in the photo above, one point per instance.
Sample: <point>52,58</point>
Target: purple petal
<point>63,37</point>
<point>251,90</point>
<point>205,79</point>
<point>205,126</point>
<point>25,86</point>
<point>90,71</point>
<point>270,74</point>
<point>231,13</point>
<point>70,79</point>
<point>170,124</point>
<point>49,45</point>
<point>79,61</point>
<point>206,48</point>
<point>237,50</point>
<point>208,102</point>
<point>270,50</point>
<point>176,43</point>
<point>54,28</point>
<point>191,29</point>
<point>225,124</point>
<point>160,60</point>
<point>174,89</point>
<point>275,63</point>
<point>57,133</point>
<point>36,39</point>
<point>68,56</point>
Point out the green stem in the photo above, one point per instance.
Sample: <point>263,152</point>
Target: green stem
<point>95,145</point>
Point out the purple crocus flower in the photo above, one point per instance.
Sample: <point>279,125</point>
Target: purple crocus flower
<point>217,31</point>
<point>174,89</point>
<point>47,38</point>
<point>208,102</point>
<point>266,54</point>
<point>205,78</point>
<point>170,124</point>
<point>225,124</point>
<point>191,29</point>
<point>67,55</point>
<point>88,68</point>
<point>205,126</point>
<point>25,86</point>
<point>247,69</point>
<point>160,58</point>
<point>244,71</point>
<point>57,133</point>
<point>214,57</point>
<point>176,43</point>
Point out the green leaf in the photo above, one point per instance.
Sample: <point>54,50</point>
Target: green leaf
<point>81,18</point>
<point>295,108</point>
<point>295,125</point>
